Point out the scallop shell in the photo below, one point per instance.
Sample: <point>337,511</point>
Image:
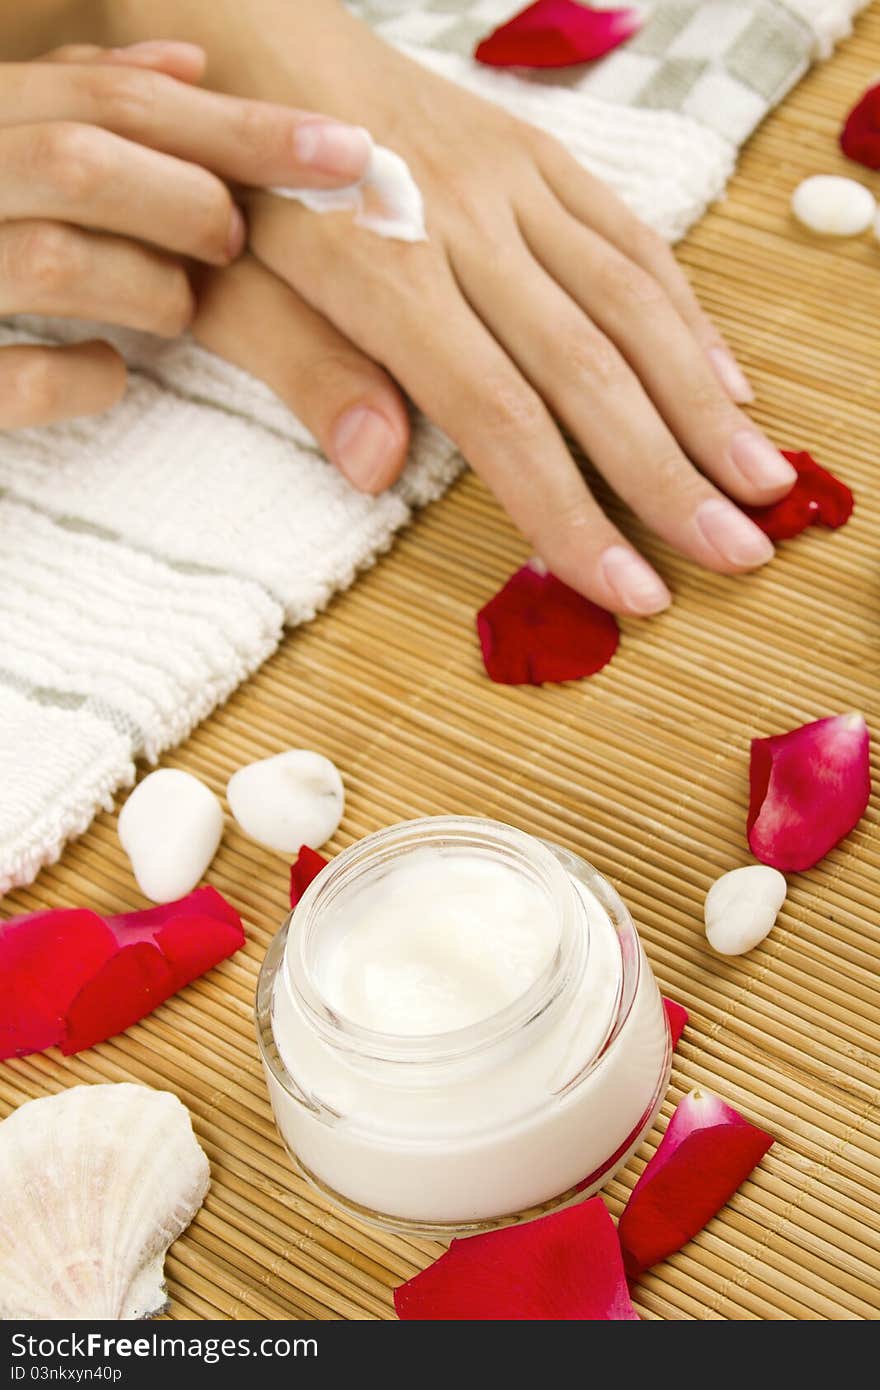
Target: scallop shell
<point>95,1184</point>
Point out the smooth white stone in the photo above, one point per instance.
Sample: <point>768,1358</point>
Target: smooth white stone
<point>741,907</point>
<point>287,801</point>
<point>834,206</point>
<point>170,828</point>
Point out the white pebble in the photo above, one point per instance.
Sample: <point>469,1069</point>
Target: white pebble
<point>834,206</point>
<point>741,907</point>
<point>170,828</point>
<point>289,800</point>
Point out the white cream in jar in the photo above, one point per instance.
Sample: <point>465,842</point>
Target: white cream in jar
<point>459,1024</point>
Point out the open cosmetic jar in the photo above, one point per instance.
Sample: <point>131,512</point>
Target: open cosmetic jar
<point>459,1026</point>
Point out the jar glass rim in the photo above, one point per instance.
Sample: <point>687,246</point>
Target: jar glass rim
<point>528,854</point>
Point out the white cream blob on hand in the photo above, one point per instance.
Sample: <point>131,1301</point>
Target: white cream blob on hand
<point>387,200</point>
<point>436,943</point>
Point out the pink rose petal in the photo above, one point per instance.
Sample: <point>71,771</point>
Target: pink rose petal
<point>557,34</point>
<point>809,788</point>
<point>708,1150</point>
<point>562,1267</point>
<point>537,629</point>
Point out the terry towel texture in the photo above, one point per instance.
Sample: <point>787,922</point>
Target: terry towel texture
<point>150,558</point>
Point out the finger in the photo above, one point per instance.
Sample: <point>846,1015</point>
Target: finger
<point>594,204</point>
<point>39,385</point>
<point>465,382</point>
<point>52,268</point>
<point>249,142</point>
<point>185,61</point>
<point>593,391</point>
<point>250,317</point>
<point>85,175</point>
<point>633,309</point>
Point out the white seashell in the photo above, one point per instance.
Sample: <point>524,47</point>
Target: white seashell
<point>289,800</point>
<point>95,1184</point>
<point>834,206</point>
<point>170,828</point>
<point>741,907</point>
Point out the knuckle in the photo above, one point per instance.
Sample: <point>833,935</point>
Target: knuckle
<point>72,159</point>
<point>45,259</point>
<point>672,478</point>
<point>592,356</point>
<point>626,283</point>
<point>177,305</point>
<point>323,378</point>
<point>209,217</point>
<point>123,96</point>
<point>508,408</point>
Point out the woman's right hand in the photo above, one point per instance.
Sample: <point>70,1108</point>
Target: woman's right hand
<point>115,172</point>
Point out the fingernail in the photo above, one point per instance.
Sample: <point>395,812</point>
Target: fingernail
<point>237,233</point>
<point>759,461</point>
<point>731,375</point>
<point>635,585</point>
<point>333,148</point>
<point>362,444</point>
<point>160,48</point>
<point>737,540</point>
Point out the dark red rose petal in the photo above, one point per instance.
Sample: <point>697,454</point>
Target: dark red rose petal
<point>306,866</point>
<point>72,978</point>
<point>708,1150</point>
<point>677,1017</point>
<point>557,34</point>
<point>816,499</point>
<point>562,1267</point>
<point>537,629</point>
<point>860,137</point>
<point>809,788</point>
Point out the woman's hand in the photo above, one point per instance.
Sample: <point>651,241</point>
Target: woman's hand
<point>114,173</point>
<point>539,302</point>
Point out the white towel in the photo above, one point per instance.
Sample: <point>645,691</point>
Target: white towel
<point>150,558</point>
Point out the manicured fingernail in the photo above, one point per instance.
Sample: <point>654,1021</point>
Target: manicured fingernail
<point>759,461</point>
<point>731,375</point>
<point>635,585</point>
<point>362,444</point>
<point>237,233</point>
<point>736,539</point>
<point>333,148</point>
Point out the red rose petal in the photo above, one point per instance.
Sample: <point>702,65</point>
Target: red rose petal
<point>556,34</point>
<point>860,137</point>
<point>45,959</point>
<point>72,978</point>
<point>677,1017</point>
<point>537,629</point>
<point>562,1267</point>
<point>708,1150</point>
<point>306,866</point>
<point>816,499</point>
<point>131,984</point>
<point>809,787</point>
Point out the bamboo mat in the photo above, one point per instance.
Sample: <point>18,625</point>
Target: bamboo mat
<point>641,769</point>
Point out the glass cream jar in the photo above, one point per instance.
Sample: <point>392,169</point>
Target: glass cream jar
<point>549,1051</point>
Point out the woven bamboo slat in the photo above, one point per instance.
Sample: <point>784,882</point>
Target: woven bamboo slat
<point>642,769</point>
